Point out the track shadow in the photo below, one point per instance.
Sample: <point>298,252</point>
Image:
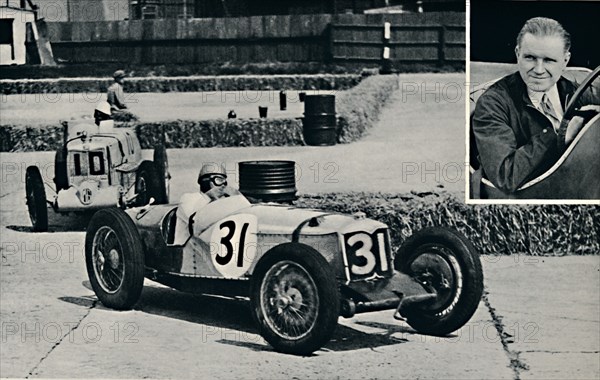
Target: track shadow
<point>348,339</point>
<point>235,315</point>
<point>398,329</point>
<point>85,301</point>
<point>51,229</point>
<point>60,222</point>
<point>20,228</point>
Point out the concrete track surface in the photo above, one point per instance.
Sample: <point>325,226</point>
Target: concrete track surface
<point>539,317</point>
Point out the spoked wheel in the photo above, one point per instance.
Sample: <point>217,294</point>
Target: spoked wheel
<point>36,199</point>
<point>114,258</point>
<point>161,163</point>
<point>295,300</point>
<point>147,184</point>
<point>447,264</point>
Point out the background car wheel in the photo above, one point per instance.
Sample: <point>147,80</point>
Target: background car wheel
<point>295,299</point>
<point>162,167</point>
<point>36,199</point>
<point>147,183</point>
<point>444,261</point>
<point>61,177</point>
<point>114,258</point>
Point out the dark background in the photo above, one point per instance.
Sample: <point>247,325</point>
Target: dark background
<point>495,25</point>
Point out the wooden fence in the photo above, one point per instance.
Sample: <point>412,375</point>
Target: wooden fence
<point>428,37</point>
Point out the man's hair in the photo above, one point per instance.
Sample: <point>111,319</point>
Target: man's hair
<point>542,26</point>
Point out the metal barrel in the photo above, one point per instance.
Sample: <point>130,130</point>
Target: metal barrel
<point>268,181</point>
<point>319,124</point>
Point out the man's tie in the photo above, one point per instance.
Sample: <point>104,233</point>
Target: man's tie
<point>549,111</point>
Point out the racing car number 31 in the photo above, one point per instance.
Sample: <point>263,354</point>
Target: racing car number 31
<point>366,254</point>
<point>235,241</point>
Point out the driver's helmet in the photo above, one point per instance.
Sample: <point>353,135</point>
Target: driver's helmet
<point>211,169</point>
<point>211,174</point>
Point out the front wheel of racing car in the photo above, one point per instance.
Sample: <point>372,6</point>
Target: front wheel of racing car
<point>147,183</point>
<point>161,163</point>
<point>36,199</point>
<point>295,299</point>
<point>114,258</point>
<point>444,262</point>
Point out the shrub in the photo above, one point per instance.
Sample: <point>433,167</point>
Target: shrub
<point>545,230</point>
<point>228,68</point>
<point>183,84</point>
<point>358,109</point>
<point>231,132</point>
<point>178,134</point>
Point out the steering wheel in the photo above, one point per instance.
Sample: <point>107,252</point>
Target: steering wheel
<point>573,108</point>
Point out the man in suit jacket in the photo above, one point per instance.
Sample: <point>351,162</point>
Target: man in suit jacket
<point>516,121</point>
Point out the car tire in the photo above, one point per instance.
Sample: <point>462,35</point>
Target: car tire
<point>61,176</point>
<point>114,258</point>
<point>147,184</point>
<point>36,199</point>
<point>301,327</point>
<point>161,163</point>
<point>446,262</point>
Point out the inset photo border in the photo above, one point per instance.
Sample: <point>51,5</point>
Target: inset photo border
<point>521,57</point>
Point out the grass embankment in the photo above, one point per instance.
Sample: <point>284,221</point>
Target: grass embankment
<point>357,110</point>
<point>539,230</point>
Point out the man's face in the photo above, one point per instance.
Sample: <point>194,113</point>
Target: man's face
<point>541,60</point>
<point>120,80</point>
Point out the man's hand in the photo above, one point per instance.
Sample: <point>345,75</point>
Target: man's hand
<point>577,122</point>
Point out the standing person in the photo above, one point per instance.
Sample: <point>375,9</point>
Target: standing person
<point>115,94</point>
<point>516,122</point>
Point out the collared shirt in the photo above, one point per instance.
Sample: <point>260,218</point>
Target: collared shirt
<point>536,100</point>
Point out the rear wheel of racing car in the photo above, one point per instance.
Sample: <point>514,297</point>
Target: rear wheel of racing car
<point>114,258</point>
<point>36,199</point>
<point>295,299</point>
<point>147,183</point>
<point>445,262</point>
<point>162,165</point>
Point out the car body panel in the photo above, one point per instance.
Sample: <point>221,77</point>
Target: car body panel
<point>235,235</point>
<point>101,167</point>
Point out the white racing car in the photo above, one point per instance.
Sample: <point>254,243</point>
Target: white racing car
<point>301,269</point>
<point>96,169</point>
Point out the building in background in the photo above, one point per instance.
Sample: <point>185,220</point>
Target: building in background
<point>14,25</point>
<point>152,9</point>
<point>23,37</point>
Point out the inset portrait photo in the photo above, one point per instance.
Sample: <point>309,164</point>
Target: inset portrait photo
<point>534,104</point>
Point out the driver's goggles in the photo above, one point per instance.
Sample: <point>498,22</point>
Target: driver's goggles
<point>219,181</point>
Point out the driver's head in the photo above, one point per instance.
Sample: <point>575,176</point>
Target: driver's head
<point>211,175</point>
<point>542,52</point>
<point>119,76</point>
<point>102,112</point>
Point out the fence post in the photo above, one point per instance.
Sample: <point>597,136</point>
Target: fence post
<point>386,64</point>
<point>442,46</point>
